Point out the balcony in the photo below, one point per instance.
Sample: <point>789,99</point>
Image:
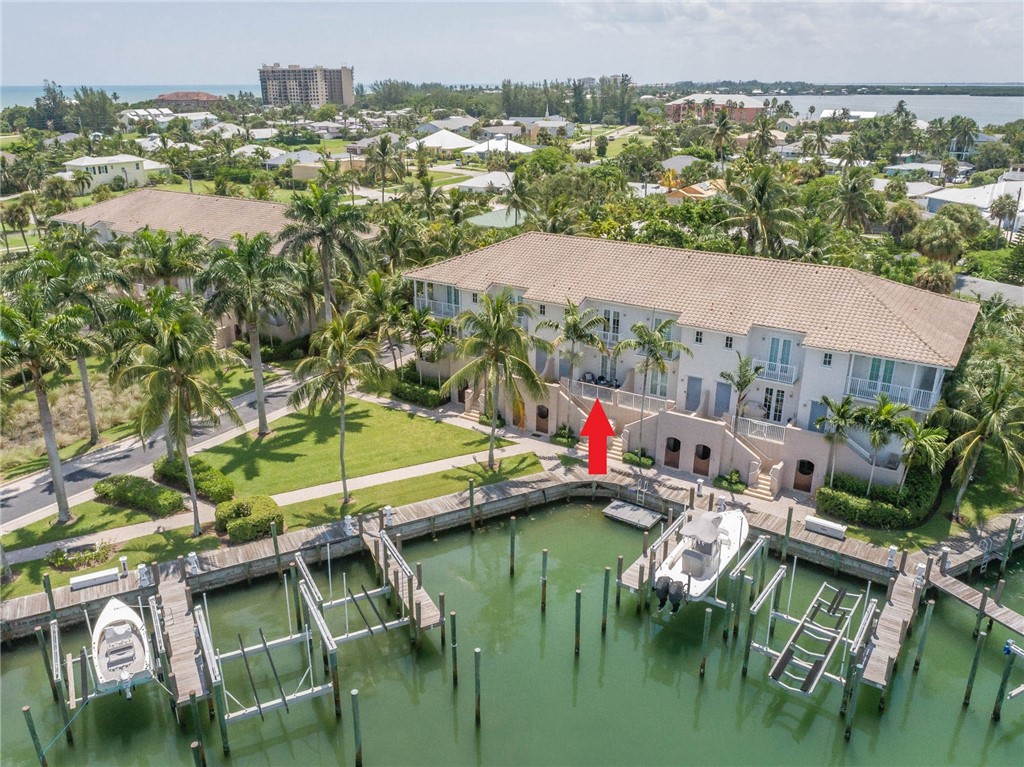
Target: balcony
<point>750,427</point>
<point>438,308</point>
<point>776,371</point>
<point>919,399</point>
<point>609,337</point>
<point>624,399</point>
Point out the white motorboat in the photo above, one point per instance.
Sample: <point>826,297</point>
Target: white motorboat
<point>120,649</point>
<point>708,545</point>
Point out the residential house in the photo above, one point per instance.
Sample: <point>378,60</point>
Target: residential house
<point>499,218</point>
<point>301,156</point>
<point>679,163</point>
<point>236,131</point>
<point>103,170</point>
<point>981,197</point>
<point>932,167</point>
<point>441,141</point>
<point>642,190</point>
<point>787,124</point>
<point>459,124</point>
<point>961,153</point>
<point>739,107</point>
<point>778,139</point>
<point>502,129</point>
<point>500,143</point>
<point>364,144</point>
<point>917,191</point>
<point>155,141</point>
<point>489,183</point>
<point>814,331</point>
<point>63,138</point>
<point>702,190</point>
<point>257,150</point>
<point>130,117</point>
<point>851,115</point>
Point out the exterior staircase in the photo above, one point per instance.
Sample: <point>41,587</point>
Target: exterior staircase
<point>614,448</point>
<point>763,488</point>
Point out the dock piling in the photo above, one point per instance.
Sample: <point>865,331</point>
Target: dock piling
<point>512,546</point>
<point>924,633</point>
<point>476,671</point>
<point>789,528</point>
<point>974,667</point>
<point>38,631</point>
<point>49,596</point>
<point>704,641</point>
<point>472,505</point>
<point>644,547</point>
<point>730,589</point>
<point>618,582</point>
<point>296,599</point>
<point>197,754</point>
<point>440,607</point>
<point>222,711</point>
<point>419,575</point>
<point>40,754</point>
<point>1004,682</point>
<point>1007,547</point>
<point>579,605</point>
<point>981,612</point>
<point>739,600</point>
<point>641,585</point>
<point>455,653</point>
<point>604,600</point>
<point>858,672</point>
<point>332,659</point>
<point>356,728</point>
<point>194,706</point>
<point>544,579</point>
<point>277,550</point>
<point>750,634</point>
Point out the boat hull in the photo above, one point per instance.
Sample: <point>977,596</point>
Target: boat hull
<point>120,649</point>
<point>733,532</point>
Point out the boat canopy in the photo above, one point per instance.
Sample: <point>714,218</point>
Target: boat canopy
<point>704,528</point>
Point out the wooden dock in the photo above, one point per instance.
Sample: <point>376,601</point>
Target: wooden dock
<point>417,605</point>
<point>631,514</point>
<point>181,641</point>
<point>973,598</point>
<point>652,557</point>
<point>886,641</point>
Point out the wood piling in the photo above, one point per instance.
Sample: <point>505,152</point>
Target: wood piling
<point>455,652</point>
<point>512,546</point>
<point>476,673</point>
<point>277,550</point>
<point>579,605</point>
<point>979,645</point>
<point>544,579</point>
<point>440,607</point>
<point>997,710</point>
<point>704,641</point>
<point>924,633</point>
<point>604,600</point>
<point>197,754</point>
<point>618,582</point>
<point>40,754</point>
<point>357,728</point>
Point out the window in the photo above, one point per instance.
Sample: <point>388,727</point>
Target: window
<point>826,359</point>
<point>476,298</point>
<point>659,384</point>
<point>543,310</point>
<point>698,337</point>
<point>611,322</point>
<point>728,342</point>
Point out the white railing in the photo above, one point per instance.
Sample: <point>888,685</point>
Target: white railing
<point>773,432</point>
<point>859,450</point>
<point>862,388</point>
<point>609,337</point>
<point>619,397</point>
<point>776,371</point>
<point>438,308</point>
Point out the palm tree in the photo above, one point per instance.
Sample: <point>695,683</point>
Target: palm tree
<point>991,413</point>
<point>398,244</point>
<point>855,203</point>
<point>655,346</point>
<point>18,218</point>
<point>159,255</point>
<point>721,134</point>
<point>519,197</point>
<point>319,218</point>
<point>765,207</point>
<point>382,302</point>
<point>939,238</point>
<point>936,277</point>
<point>922,446</point>
<point>882,421</point>
<point>579,327</point>
<point>429,198</point>
<point>741,379</point>
<point>384,162</point>
<point>341,356</point>
<point>174,392</point>
<point>250,281</point>
<point>1004,210</point>
<point>439,341</point>
<point>42,339</point>
<point>762,140</point>
<point>309,283</point>
<point>903,216</point>
<point>962,131</point>
<point>416,324</point>
<point>497,347</point>
<point>840,417</point>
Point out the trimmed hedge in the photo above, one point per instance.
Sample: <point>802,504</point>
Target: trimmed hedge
<point>139,493</point>
<point>638,458</point>
<point>246,519</point>
<point>211,484</point>
<point>732,482</point>
<point>565,436</point>
<point>274,350</point>
<point>418,395</point>
<point>885,508</point>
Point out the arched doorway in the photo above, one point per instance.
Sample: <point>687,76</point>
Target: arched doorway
<point>672,446</point>
<point>702,460</point>
<point>804,476</point>
<point>542,418</point>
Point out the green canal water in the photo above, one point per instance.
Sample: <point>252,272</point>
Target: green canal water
<point>631,697</point>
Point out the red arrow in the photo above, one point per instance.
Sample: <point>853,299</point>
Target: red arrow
<point>597,429</point>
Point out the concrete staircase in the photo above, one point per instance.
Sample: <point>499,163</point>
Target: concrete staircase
<point>614,448</point>
<point>763,488</point>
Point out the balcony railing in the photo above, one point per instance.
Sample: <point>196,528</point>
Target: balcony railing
<point>609,337</point>
<point>862,388</point>
<point>776,371</point>
<point>618,397</point>
<point>773,432</point>
<point>438,308</point>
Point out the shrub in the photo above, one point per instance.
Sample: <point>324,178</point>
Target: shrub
<point>418,395</point>
<point>485,420</point>
<point>211,484</point>
<point>247,519</point>
<point>409,374</point>
<point>139,493</point>
<point>273,350</point>
<point>565,436</point>
<point>60,559</point>
<point>240,508</point>
<point>886,507</point>
<point>732,482</point>
<point>638,457</point>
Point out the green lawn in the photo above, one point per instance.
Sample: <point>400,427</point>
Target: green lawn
<point>991,493</point>
<point>75,449</point>
<point>302,451</point>
<point>158,547</point>
<point>15,241</point>
<point>616,145</point>
<point>90,517</point>
<point>235,381</point>
<point>324,510</point>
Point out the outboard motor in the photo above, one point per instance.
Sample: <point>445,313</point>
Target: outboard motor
<point>661,589</point>
<point>675,595</point>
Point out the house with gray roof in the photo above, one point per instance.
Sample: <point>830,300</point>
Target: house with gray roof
<point>301,156</point>
<point>679,162</point>
<point>459,124</point>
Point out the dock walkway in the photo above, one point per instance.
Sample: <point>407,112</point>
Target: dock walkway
<point>886,641</point>
<point>181,640</point>
<point>418,605</point>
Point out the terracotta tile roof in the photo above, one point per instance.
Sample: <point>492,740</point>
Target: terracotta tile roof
<point>834,307</point>
<point>215,218</point>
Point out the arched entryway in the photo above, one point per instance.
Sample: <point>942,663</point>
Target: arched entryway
<point>702,460</point>
<point>542,418</point>
<point>672,446</point>
<point>462,392</point>
<point>804,477</point>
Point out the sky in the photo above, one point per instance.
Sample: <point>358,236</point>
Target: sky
<point>145,42</point>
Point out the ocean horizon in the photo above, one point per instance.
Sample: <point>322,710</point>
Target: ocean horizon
<point>25,95</point>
